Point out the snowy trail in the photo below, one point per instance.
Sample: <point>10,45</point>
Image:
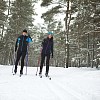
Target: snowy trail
<point>56,89</point>
<point>66,84</point>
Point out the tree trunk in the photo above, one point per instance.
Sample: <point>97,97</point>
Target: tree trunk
<point>93,50</point>
<point>9,7</point>
<point>2,31</point>
<point>88,54</point>
<point>67,18</point>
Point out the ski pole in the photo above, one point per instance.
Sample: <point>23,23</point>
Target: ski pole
<point>27,58</point>
<point>27,54</point>
<point>38,65</point>
<point>26,62</point>
<point>14,58</point>
<point>38,61</point>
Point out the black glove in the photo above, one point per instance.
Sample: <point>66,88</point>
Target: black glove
<point>28,35</point>
<point>15,49</point>
<point>52,56</point>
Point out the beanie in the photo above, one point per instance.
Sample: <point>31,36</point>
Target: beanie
<point>25,30</point>
<point>50,33</point>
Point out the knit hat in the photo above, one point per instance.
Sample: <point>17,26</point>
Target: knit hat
<point>25,30</point>
<point>50,33</point>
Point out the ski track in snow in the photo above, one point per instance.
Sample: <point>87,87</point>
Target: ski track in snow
<point>66,94</point>
<point>65,84</point>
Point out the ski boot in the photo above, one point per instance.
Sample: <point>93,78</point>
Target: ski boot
<point>46,74</point>
<point>15,71</point>
<point>21,73</point>
<point>40,74</point>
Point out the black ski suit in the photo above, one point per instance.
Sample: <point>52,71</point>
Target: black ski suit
<point>21,43</point>
<point>47,50</point>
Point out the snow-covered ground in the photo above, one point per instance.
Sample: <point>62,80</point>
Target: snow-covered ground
<point>66,84</point>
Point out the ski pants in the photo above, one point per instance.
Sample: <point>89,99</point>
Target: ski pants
<point>22,55</point>
<point>43,56</point>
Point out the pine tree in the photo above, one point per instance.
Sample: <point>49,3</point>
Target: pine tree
<point>22,12</point>
<point>58,9</point>
<point>21,17</point>
<point>3,7</point>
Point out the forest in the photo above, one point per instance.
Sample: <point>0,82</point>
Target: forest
<point>75,25</point>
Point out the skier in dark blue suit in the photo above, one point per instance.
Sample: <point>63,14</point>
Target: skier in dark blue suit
<point>47,50</point>
<point>21,48</point>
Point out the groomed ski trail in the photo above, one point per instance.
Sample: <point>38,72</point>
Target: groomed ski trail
<point>66,84</point>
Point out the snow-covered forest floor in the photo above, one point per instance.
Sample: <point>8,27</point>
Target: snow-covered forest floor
<point>66,84</point>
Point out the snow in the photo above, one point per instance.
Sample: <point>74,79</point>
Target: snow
<point>66,84</point>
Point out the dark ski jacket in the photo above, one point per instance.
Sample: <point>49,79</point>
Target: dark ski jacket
<point>22,42</point>
<point>47,46</point>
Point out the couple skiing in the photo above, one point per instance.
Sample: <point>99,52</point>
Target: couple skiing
<point>21,49</point>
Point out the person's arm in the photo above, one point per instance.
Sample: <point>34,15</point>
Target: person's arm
<point>16,45</point>
<point>17,42</point>
<point>43,42</point>
<point>29,39</point>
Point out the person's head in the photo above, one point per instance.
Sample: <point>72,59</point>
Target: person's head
<point>24,32</point>
<point>50,35</point>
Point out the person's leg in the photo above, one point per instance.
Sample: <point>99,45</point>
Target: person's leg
<point>47,64</point>
<point>42,62</point>
<point>22,62</point>
<point>17,60</point>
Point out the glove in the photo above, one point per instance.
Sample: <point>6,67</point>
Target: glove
<point>52,56</point>
<point>28,35</point>
<point>15,49</point>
